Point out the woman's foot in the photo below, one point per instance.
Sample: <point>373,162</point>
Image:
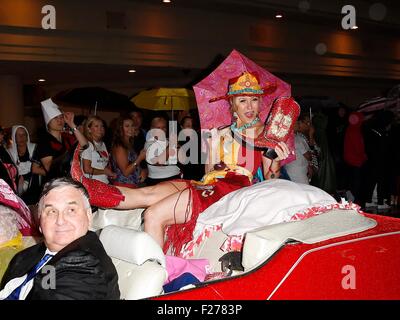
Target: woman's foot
<point>100,194</point>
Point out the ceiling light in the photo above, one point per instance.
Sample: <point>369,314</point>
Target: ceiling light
<point>42,80</point>
<point>131,70</point>
<point>354,27</point>
<point>278,16</point>
<point>166,1</point>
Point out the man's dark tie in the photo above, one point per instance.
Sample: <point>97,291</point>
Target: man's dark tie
<point>15,294</point>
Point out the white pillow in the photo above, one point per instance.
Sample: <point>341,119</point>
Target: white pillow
<point>131,219</point>
<point>131,245</point>
<point>139,282</point>
<point>265,203</point>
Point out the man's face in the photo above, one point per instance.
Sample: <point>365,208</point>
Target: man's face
<point>64,217</point>
<point>137,119</point>
<point>160,124</point>
<point>187,124</point>
<point>57,123</point>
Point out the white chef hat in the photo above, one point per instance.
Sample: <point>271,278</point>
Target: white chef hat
<point>50,110</point>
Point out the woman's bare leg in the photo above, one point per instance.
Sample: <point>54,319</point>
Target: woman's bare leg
<point>147,196</point>
<point>170,210</point>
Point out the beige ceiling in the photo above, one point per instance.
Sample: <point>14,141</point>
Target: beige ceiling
<point>321,14</point>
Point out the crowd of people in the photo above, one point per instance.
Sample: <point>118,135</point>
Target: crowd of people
<point>119,160</point>
<point>349,155</point>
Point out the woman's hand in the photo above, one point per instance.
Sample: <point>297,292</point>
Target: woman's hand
<point>21,181</point>
<point>141,157</point>
<point>143,175</point>
<point>69,119</point>
<point>282,150</point>
<point>109,173</point>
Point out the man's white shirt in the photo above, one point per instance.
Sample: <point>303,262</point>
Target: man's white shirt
<point>16,282</point>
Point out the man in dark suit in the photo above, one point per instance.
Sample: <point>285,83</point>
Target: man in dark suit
<point>71,263</point>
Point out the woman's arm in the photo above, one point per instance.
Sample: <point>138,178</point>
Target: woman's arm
<point>44,168</point>
<point>37,169</point>
<point>272,168</point>
<point>121,158</point>
<point>69,119</point>
<point>212,149</point>
<point>88,169</point>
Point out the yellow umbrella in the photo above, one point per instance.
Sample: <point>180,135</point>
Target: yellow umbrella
<point>168,99</point>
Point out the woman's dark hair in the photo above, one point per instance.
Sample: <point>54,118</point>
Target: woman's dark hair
<point>79,120</point>
<point>304,115</point>
<point>118,134</point>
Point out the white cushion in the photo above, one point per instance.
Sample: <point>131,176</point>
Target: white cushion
<point>138,259</point>
<point>131,219</point>
<point>139,282</point>
<point>265,203</point>
<point>261,243</point>
<point>131,245</point>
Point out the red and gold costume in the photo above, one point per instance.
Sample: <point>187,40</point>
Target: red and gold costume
<point>241,163</point>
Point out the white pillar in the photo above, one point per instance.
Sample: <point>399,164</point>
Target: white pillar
<point>11,100</point>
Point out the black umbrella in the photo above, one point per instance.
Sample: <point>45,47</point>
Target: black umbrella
<point>312,104</point>
<point>389,102</point>
<point>317,102</point>
<point>95,98</point>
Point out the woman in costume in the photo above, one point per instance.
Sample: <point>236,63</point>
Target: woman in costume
<point>21,152</point>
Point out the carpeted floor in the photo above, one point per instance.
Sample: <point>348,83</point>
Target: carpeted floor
<point>392,212</point>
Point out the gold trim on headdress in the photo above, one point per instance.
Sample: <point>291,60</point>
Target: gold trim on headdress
<point>247,84</point>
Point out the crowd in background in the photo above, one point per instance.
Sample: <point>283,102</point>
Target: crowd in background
<point>114,153</point>
<point>348,154</point>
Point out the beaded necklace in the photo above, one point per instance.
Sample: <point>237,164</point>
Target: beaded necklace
<point>245,126</point>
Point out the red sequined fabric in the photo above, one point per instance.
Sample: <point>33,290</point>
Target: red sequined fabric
<point>101,195</point>
<point>280,123</point>
<point>202,196</point>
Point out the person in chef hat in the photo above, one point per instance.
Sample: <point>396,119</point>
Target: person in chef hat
<point>51,111</point>
<point>55,147</point>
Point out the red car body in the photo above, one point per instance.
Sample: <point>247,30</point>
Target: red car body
<point>363,265</point>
